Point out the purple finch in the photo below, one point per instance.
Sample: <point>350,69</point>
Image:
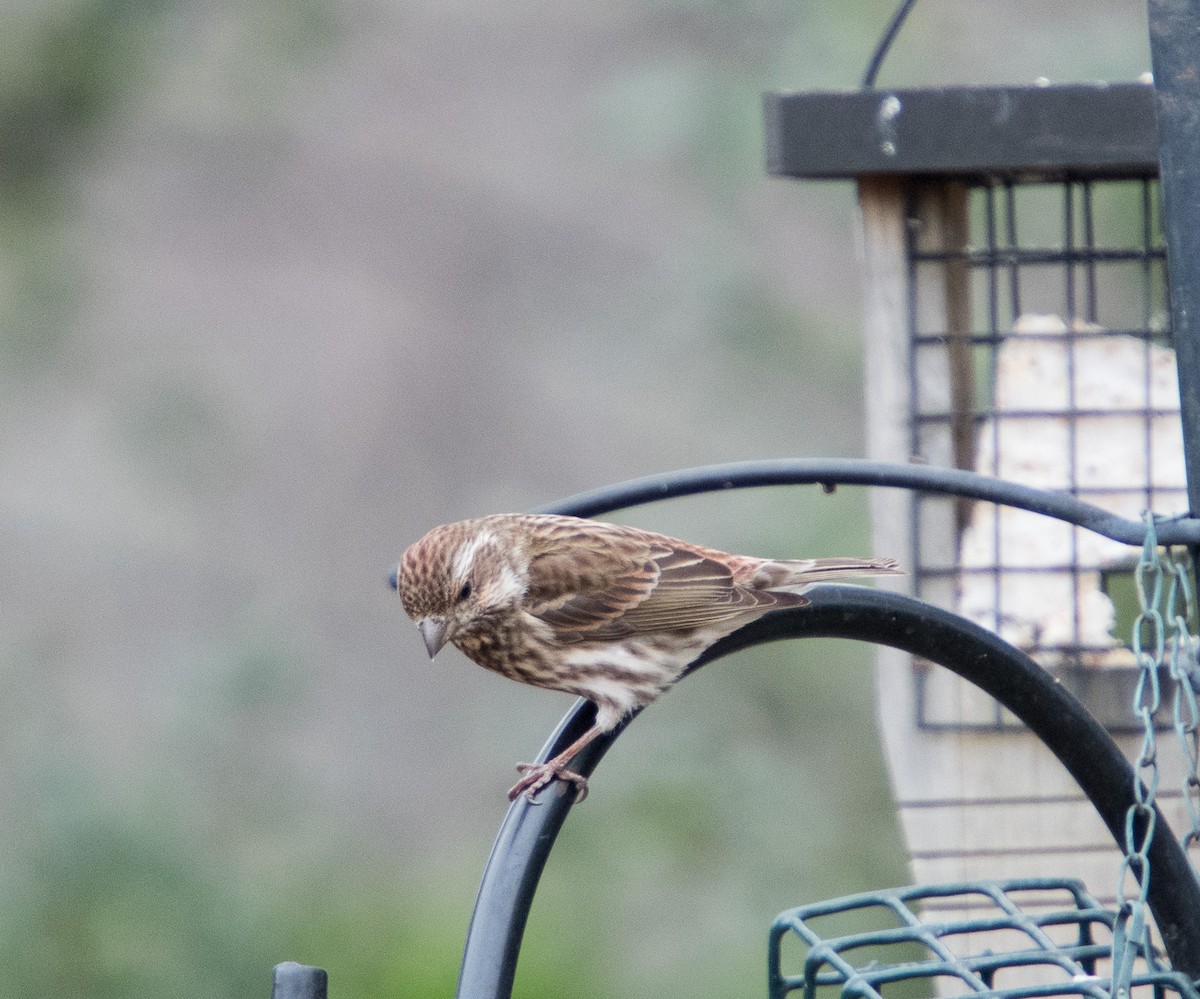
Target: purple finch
<point>610,613</point>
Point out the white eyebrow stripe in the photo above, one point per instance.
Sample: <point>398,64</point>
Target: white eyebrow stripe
<point>465,557</point>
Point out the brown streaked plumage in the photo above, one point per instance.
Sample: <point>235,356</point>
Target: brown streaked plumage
<point>610,613</point>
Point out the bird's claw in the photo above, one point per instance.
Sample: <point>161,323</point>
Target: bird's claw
<point>538,775</point>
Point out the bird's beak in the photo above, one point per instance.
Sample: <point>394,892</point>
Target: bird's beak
<point>394,579</point>
<point>433,630</point>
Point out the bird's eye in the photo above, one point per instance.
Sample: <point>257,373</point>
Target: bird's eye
<point>465,592</point>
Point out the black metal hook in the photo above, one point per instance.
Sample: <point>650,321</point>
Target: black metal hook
<point>1079,742</point>
<point>831,472</point>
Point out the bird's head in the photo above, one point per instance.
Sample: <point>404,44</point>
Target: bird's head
<point>458,576</point>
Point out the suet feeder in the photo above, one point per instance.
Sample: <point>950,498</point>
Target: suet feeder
<point>1016,324</point>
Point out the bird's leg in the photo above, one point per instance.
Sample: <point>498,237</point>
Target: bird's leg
<point>538,775</point>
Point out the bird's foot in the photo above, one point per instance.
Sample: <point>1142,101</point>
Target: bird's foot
<point>538,775</point>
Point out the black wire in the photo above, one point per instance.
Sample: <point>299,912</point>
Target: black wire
<point>903,9</point>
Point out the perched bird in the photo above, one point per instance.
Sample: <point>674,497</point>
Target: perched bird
<point>610,613</point>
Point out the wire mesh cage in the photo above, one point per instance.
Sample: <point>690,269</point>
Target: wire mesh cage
<point>1045,937</point>
<point>1017,325</point>
<point>1040,353</point>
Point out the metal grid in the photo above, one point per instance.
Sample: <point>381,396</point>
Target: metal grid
<point>1014,938</point>
<point>1040,353</point>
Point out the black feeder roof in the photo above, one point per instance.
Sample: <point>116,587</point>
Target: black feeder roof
<point>1051,132</point>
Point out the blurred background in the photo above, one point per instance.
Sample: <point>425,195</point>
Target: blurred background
<point>284,283</point>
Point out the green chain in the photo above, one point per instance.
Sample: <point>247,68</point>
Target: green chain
<point>1130,931</point>
<point>1185,714</point>
<point>1162,623</point>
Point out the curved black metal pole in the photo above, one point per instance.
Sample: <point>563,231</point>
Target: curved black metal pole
<point>830,472</point>
<point>1175,56</point>
<point>1016,681</point>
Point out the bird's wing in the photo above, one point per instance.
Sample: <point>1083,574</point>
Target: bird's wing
<point>582,587</point>
<point>637,588</point>
<point>695,590</point>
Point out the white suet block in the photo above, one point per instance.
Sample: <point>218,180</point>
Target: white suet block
<point>1092,413</point>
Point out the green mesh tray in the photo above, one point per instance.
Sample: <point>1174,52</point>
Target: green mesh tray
<point>1040,937</point>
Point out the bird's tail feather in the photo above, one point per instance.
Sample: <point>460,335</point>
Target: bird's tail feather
<point>786,573</point>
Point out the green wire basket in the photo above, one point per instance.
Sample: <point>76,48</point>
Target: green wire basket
<point>1042,937</point>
